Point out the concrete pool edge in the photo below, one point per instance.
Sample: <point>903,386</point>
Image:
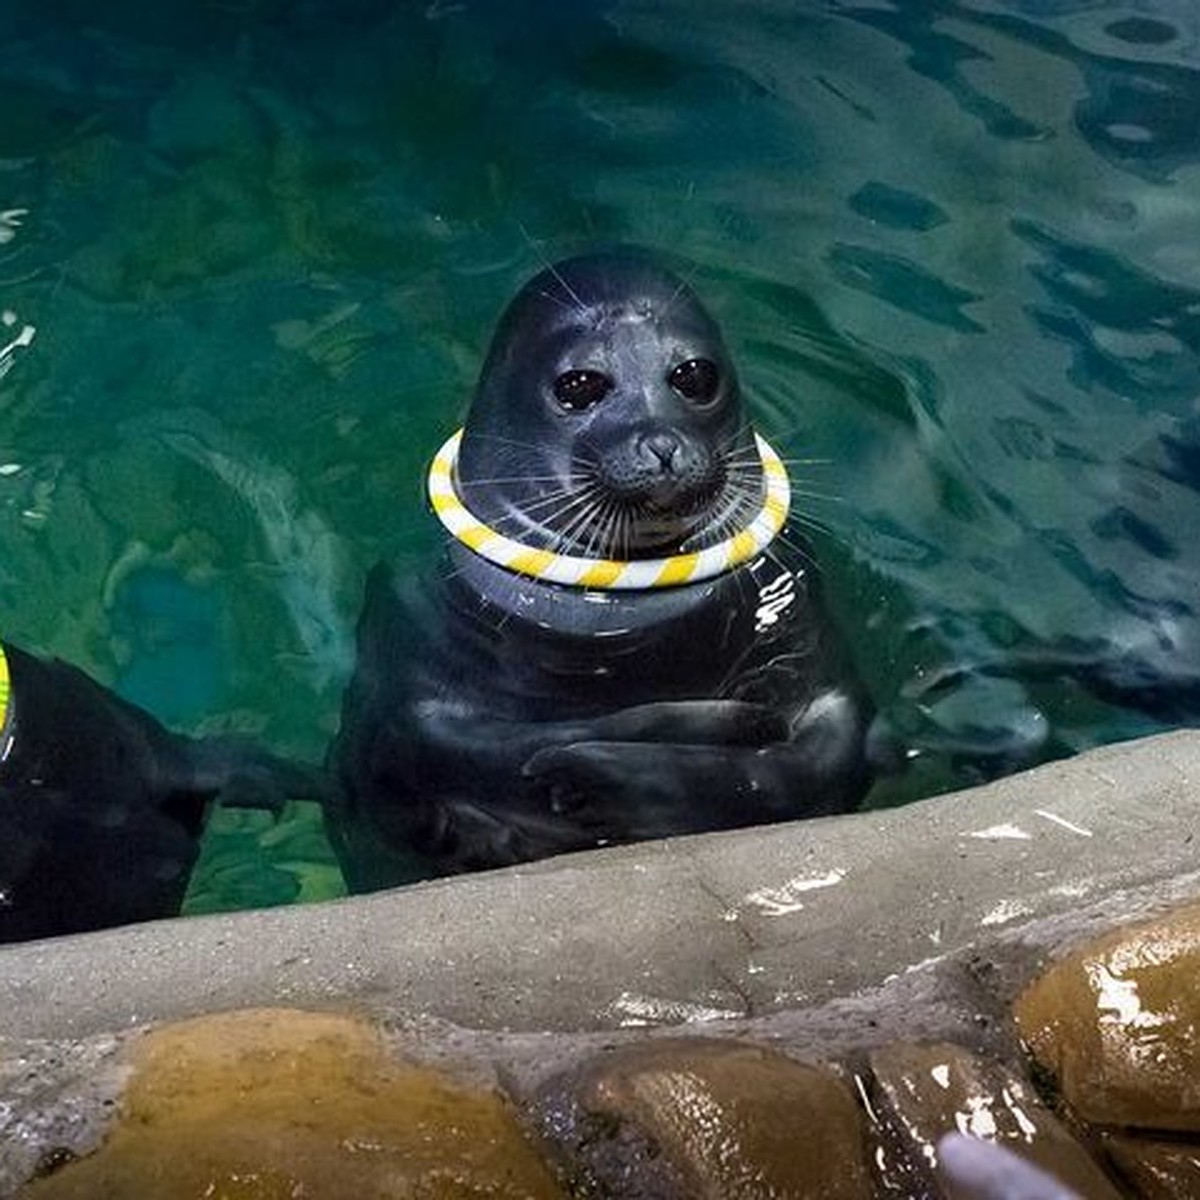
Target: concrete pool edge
<point>733,926</point>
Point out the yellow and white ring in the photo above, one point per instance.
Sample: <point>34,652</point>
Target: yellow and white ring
<point>602,574</point>
<point>5,706</point>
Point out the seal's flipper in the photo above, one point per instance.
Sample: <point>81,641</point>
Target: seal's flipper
<point>240,774</point>
<point>630,791</point>
<point>719,722</point>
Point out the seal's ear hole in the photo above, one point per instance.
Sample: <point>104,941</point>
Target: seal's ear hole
<point>577,390</point>
<point>697,380</point>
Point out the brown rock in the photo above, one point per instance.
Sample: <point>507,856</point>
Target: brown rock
<point>710,1120</point>
<point>925,1091</point>
<point>1158,1170</point>
<point>272,1103</point>
<point>1115,1023</point>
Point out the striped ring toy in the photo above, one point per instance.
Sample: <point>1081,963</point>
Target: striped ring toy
<point>5,706</point>
<point>603,574</point>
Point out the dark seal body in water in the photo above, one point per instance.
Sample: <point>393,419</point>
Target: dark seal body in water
<point>102,807</point>
<point>617,646</point>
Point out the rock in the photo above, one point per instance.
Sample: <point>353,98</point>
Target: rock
<point>709,1120</point>
<point>1115,1024</point>
<point>57,1102</point>
<point>924,1091</point>
<point>1157,1170</point>
<point>269,1104</point>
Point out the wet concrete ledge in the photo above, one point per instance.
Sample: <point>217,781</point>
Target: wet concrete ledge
<point>740,928</point>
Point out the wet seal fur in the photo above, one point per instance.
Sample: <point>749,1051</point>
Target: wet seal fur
<point>494,717</point>
<point>102,807</point>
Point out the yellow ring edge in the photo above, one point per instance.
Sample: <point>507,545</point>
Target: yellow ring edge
<point>5,706</point>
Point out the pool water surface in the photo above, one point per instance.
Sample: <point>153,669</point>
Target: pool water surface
<point>251,254</point>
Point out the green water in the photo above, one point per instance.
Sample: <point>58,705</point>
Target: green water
<point>256,250</point>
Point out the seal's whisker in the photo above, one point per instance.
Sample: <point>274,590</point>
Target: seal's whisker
<point>748,475</point>
<point>684,284</point>
<point>808,521</point>
<point>566,541</point>
<point>549,516</point>
<point>739,452</point>
<point>505,441</point>
<point>572,541</point>
<point>539,510</point>
<point>550,502</point>
<point>798,546</point>
<point>800,460</point>
<point>600,538</point>
<point>490,480</point>
<point>579,513</point>
<point>625,529</point>
<point>742,581</point>
<point>544,530</point>
<point>581,495</point>
<point>605,537</point>
<point>580,307</point>
<point>747,486</point>
<point>809,494</point>
<point>600,541</point>
<point>782,433</point>
<point>800,465</point>
<point>567,538</point>
<point>779,438</point>
<point>506,616</point>
<point>731,520</point>
<point>571,308</point>
<point>575,296</point>
<point>446,572</point>
<point>744,481</point>
<point>568,496</point>
<point>607,533</point>
<point>747,462</point>
<point>740,430</point>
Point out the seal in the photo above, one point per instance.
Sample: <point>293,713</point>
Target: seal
<point>625,637</point>
<point>102,807</point>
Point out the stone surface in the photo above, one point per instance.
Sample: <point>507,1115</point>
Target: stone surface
<point>827,938</point>
<point>1157,1170</point>
<point>56,1100</point>
<point>921,1092</point>
<point>709,1120</point>
<point>276,1104</point>
<point>746,923</point>
<point>1115,1024</point>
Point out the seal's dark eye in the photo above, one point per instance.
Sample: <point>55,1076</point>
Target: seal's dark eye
<point>697,379</point>
<point>578,390</point>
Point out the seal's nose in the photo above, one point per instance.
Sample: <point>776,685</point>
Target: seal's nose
<point>664,447</point>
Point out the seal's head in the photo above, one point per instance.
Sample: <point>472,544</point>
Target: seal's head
<point>608,421</point>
